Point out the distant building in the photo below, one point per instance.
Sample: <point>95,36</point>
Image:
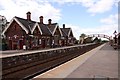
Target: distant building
<point>34,35</point>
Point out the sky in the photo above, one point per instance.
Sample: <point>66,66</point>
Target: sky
<point>83,16</point>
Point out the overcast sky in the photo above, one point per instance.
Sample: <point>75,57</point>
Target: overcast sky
<point>83,16</point>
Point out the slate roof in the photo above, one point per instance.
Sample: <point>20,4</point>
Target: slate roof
<point>65,31</point>
<point>28,24</point>
<point>52,26</point>
<point>45,30</point>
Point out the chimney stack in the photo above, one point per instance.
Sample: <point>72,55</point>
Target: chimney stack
<point>49,21</point>
<point>28,16</point>
<point>63,25</point>
<point>41,19</point>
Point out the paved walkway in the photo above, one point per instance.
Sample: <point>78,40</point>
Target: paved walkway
<point>99,62</point>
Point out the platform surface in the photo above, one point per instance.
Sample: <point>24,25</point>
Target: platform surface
<point>11,53</point>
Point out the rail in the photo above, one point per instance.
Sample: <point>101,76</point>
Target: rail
<point>34,62</point>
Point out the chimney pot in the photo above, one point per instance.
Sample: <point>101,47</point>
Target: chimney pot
<point>49,21</point>
<point>41,19</point>
<point>28,16</point>
<point>63,25</point>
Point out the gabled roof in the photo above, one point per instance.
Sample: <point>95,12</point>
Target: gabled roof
<point>45,30</point>
<point>24,23</point>
<point>52,27</point>
<point>34,27</point>
<point>28,24</point>
<point>15,19</point>
<point>63,32</point>
<point>66,31</point>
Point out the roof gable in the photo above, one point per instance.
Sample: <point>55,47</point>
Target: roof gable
<point>36,26</point>
<point>28,24</point>
<point>63,32</point>
<point>70,33</point>
<point>45,30</point>
<point>53,27</point>
<point>66,31</point>
<point>19,23</point>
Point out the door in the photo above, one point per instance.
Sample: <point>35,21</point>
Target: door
<point>43,43</point>
<point>63,43</point>
<point>56,39</point>
<point>14,46</point>
<point>10,44</point>
<point>20,44</point>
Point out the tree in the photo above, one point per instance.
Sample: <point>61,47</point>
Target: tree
<point>82,37</point>
<point>3,44</point>
<point>3,22</point>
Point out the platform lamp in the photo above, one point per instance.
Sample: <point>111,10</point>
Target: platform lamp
<point>115,38</point>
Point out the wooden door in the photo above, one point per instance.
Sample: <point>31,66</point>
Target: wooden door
<point>10,44</point>
<point>20,44</point>
<point>43,43</point>
<point>14,46</point>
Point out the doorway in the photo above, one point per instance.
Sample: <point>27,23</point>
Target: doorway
<point>43,43</point>
<point>20,44</point>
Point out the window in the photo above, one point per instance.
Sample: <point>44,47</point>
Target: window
<point>48,41</point>
<point>53,42</point>
<point>39,41</point>
<point>15,27</point>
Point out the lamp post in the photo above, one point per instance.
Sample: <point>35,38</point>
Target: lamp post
<point>115,38</point>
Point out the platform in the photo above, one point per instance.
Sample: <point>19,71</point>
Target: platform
<point>11,53</point>
<point>99,62</point>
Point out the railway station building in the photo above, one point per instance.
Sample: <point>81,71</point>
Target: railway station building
<point>35,35</point>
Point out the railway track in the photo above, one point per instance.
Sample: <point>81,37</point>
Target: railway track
<point>27,66</point>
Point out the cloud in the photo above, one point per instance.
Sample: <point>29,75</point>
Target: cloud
<point>76,29</point>
<point>108,26</point>
<point>102,29</point>
<point>101,6</point>
<point>111,19</point>
<point>106,29</point>
<point>93,6</point>
<point>11,8</point>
